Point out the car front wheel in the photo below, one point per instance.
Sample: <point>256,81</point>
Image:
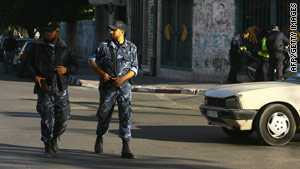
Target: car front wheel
<point>275,125</point>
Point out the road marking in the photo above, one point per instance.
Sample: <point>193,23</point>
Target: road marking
<point>176,105</point>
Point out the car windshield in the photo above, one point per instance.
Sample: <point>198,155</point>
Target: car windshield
<point>28,46</point>
<point>293,76</point>
<point>21,43</point>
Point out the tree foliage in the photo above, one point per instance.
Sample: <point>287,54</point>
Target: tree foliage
<point>30,14</point>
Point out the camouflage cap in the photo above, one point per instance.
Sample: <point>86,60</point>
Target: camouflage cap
<point>118,25</point>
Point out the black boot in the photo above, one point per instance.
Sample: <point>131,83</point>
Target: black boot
<point>126,153</point>
<point>54,145</point>
<point>99,145</point>
<point>48,149</point>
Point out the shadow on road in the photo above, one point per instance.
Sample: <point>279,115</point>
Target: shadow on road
<point>159,107</point>
<point>16,156</point>
<point>21,114</point>
<point>162,113</point>
<point>91,118</point>
<point>203,134</point>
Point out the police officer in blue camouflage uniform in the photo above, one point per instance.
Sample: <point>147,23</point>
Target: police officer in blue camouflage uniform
<point>50,62</point>
<point>116,62</point>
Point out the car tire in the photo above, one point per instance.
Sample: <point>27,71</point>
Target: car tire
<point>237,133</point>
<point>275,125</point>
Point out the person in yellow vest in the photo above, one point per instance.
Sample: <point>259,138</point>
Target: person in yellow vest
<point>262,66</point>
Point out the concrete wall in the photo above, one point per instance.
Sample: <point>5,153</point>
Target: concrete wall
<point>80,35</point>
<point>213,29</point>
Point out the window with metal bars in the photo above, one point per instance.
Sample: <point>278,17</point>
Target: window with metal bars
<point>263,13</point>
<point>259,13</point>
<point>256,13</point>
<point>283,16</point>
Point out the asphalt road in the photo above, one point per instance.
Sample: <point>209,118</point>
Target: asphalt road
<point>168,132</point>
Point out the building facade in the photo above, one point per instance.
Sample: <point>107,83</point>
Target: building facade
<point>189,39</point>
<point>195,35</point>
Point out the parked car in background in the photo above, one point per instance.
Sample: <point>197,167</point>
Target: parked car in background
<point>21,42</point>
<point>22,55</point>
<point>271,109</point>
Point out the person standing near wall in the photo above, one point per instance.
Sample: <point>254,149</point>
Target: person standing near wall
<point>50,62</point>
<point>262,66</point>
<point>237,46</point>
<point>276,42</point>
<point>116,62</point>
<point>10,46</point>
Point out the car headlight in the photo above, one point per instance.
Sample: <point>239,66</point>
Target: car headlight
<point>232,103</point>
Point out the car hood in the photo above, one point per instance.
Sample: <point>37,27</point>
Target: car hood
<point>225,91</point>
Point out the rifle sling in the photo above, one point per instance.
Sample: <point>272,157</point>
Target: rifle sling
<point>114,60</point>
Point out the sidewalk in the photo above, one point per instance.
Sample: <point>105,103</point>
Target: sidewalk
<point>143,83</point>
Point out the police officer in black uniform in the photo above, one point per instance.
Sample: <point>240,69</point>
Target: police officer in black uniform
<point>276,42</point>
<point>237,46</point>
<point>50,62</point>
<point>116,62</point>
<point>10,46</point>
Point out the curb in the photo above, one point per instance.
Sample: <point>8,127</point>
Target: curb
<point>75,81</point>
<point>169,90</point>
<point>79,82</point>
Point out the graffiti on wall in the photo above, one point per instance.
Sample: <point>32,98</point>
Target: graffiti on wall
<point>168,32</point>
<point>209,50</point>
<point>183,32</point>
<point>219,14</point>
<point>214,27</point>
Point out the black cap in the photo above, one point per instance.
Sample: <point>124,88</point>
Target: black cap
<point>274,27</point>
<point>52,26</point>
<point>118,25</point>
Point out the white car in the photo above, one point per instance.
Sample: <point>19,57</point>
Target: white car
<point>272,109</point>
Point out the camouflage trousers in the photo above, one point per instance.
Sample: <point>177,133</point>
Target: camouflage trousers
<point>108,97</point>
<point>55,111</point>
